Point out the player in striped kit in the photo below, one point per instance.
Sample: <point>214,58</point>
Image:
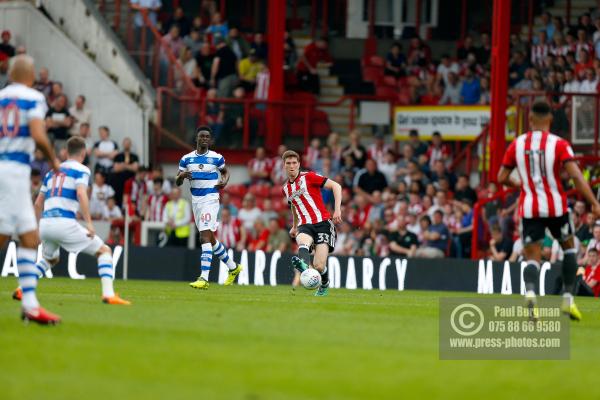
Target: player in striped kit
<point>22,113</point>
<point>207,173</point>
<point>539,156</point>
<point>62,196</point>
<point>312,224</point>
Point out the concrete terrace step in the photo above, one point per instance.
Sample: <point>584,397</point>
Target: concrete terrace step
<point>331,80</point>
<point>336,111</point>
<point>327,90</point>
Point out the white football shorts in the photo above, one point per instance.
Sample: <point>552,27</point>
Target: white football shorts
<point>17,215</point>
<point>205,215</point>
<point>68,234</point>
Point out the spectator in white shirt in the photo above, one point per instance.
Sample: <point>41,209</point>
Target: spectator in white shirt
<point>80,113</point>
<point>249,213</point>
<point>446,66</point>
<point>572,84</point>
<point>101,192</point>
<point>590,83</point>
<point>105,151</point>
<point>111,211</point>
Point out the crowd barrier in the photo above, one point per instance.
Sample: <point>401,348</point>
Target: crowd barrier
<point>264,269</point>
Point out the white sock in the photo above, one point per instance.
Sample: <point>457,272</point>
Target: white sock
<point>568,298</point>
<point>220,251</point>
<point>105,270</point>
<point>42,266</point>
<point>206,260</point>
<point>28,277</point>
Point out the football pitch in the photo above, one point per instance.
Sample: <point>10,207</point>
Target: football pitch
<point>246,342</point>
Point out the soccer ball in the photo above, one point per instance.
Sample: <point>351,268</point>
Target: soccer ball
<point>310,278</point>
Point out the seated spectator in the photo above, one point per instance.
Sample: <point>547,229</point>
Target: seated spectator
<point>238,44</point>
<point>590,83</point>
<point>540,50</point>
<point>438,150</point>
<point>177,215</point>
<point>446,66</point>
<point>80,114</point>
<point>229,230</point>
<point>315,54</point>
<point>36,183</point>
<point>464,191</point>
<point>290,55</point>
<point>180,20</point>
<point>126,164</point>
<point>232,116</point>
<point>485,50</point>
<point>260,46</point>
<point>464,232</point>
<point>517,67</point>
<point>279,239</point>
<point>157,172</point>
<point>278,174</point>
<point>439,172</point>
<point>135,192</point>
<point>572,84</point>
<point>194,41</point>
<point>5,46</point>
<point>584,63</point>
<point>259,168</point>
<point>485,97</point>
<point>115,236</point>
<point>249,213</point>
<point>418,146</point>
<point>470,90</point>
<point>377,150</point>
<point>467,47</point>
<point>435,237</point>
<point>111,211</point>
<point>217,27</point>
<point>105,151</point>
<point>223,75</point>
<point>101,192</point>
<point>395,62</point>
<point>452,91</point>
<point>355,150</point>
<point>260,236</point>
<point>419,52</point>
<point>156,202</point>
<point>213,114</point>
<point>388,167</point>
<point>268,212</point>
<point>43,84</point>
<point>369,180</point>
<point>189,67</point>
<point>227,204</point>
<point>40,163</point>
<point>500,247</point>
<point>3,71</point>
<point>204,61</point>
<point>403,242</point>
<point>588,280</point>
<point>59,121</point>
<point>491,208</point>
<point>249,68</point>
<point>359,215</point>
<point>516,44</point>
<point>171,43</point>
<point>311,155</point>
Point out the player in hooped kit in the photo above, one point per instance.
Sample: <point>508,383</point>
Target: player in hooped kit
<point>62,196</point>
<point>207,173</point>
<point>539,156</point>
<point>312,223</point>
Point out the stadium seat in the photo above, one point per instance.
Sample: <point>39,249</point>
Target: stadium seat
<point>372,74</point>
<point>376,61</point>
<point>260,190</point>
<point>386,91</point>
<point>237,190</point>
<point>389,81</point>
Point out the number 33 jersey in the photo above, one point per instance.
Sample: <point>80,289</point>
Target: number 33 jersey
<point>60,190</point>
<point>538,157</point>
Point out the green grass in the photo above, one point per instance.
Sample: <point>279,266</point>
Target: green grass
<point>263,343</point>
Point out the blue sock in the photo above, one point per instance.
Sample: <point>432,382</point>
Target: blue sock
<point>220,251</point>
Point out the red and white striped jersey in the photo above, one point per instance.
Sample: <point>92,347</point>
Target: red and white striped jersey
<point>538,157</point>
<point>156,205</point>
<point>262,85</point>
<point>304,194</point>
<point>539,53</point>
<point>229,233</point>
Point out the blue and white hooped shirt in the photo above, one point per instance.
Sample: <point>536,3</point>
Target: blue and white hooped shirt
<point>19,105</point>
<point>206,171</point>
<point>60,190</point>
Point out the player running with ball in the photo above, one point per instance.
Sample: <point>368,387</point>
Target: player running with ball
<point>206,171</point>
<point>539,157</point>
<point>312,222</point>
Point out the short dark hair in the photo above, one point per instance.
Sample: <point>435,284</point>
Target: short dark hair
<point>436,133</point>
<point>75,145</point>
<point>426,218</point>
<point>35,172</point>
<point>541,108</point>
<point>595,250</point>
<point>204,128</point>
<point>159,180</point>
<point>413,132</point>
<point>106,128</point>
<point>438,212</point>
<point>290,154</point>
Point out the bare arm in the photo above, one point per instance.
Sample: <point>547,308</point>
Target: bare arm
<point>336,188</point>
<point>84,205</point>
<point>505,179</point>
<point>224,178</point>
<point>181,176</point>
<point>396,248</point>
<point>214,68</point>
<point>39,205</point>
<point>38,134</point>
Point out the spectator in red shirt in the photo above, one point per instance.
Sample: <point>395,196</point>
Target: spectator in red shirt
<point>584,63</point>
<point>260,239</point>
<point>259,167</point>
<point>315,53</point>
<point>229,232</point>
<point>588,280</point>
<point>135,192</point>
<point>156,202</point>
